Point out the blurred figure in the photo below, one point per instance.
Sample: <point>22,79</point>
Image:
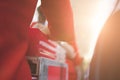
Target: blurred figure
<point>15,18</point>
<point>73,59</point>
<point>106,59</point>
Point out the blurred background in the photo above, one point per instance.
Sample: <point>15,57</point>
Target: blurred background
<point>89,18</point>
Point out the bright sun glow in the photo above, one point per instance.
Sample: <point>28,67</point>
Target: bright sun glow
<point>97,21</point>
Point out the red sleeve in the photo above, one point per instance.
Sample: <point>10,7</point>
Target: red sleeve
<point>35,35</point>
<point>60,17</point>
<point>15,17</point>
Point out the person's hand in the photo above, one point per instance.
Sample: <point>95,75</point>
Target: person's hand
<point>70,53</point>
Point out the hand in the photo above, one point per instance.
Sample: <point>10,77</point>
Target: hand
<point>70,53</point>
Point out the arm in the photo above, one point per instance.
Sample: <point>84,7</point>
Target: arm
<point>60,17</point>
<point>15,17</point>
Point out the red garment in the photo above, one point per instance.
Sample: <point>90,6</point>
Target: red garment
<point>35,35</point>
<point>37,49</point>
<point>15,18</point>
<point>60,19</point>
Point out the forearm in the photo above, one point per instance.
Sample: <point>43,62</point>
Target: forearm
<point>60,18</point>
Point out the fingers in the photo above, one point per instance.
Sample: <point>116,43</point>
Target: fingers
<point>70,53</point>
